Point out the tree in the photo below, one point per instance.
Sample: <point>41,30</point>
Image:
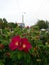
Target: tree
<point>42,24</point>
<point>1,23</point>
<point>47,22</point>
<point>5,23</point>
<point>4,20</point>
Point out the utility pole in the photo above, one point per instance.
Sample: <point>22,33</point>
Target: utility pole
<point>23,17</point>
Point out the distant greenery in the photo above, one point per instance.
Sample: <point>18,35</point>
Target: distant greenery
<point>4,23</point>
<point>42,24</point>
<point>39,25</point>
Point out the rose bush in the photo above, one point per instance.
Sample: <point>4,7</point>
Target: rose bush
<point>20,47</point>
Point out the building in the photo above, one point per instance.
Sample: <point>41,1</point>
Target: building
<point>21,25</point>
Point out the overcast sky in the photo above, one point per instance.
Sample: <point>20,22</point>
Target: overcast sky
<point>12,10</point>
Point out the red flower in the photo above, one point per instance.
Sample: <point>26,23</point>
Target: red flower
<point>25,45</point>
<point>20,44</point>
<point>15,43</point>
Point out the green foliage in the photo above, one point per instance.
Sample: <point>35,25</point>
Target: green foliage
<point>4,20</point>
<point>42,24</point>
<point>4,24</point>
<point>1,23</point>
<point>37,55</point>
